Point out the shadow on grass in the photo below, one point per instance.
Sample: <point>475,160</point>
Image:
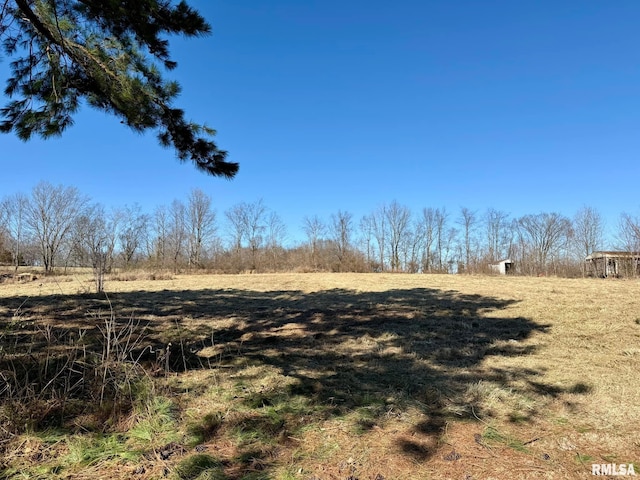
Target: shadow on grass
<point>346,350</point>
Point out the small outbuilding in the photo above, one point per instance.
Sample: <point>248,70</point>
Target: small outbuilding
<point>613,264</point>
<point>503,267</point>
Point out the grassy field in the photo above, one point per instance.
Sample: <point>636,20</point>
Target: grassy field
<point>319,377</point>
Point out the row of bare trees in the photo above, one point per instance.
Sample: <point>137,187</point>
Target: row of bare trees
<point>57,226</point>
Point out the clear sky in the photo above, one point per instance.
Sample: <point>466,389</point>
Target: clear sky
<point>525,107</point>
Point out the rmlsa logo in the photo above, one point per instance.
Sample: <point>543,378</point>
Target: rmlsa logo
<point>612,469</point>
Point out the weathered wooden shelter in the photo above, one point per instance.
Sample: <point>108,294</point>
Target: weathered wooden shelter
<point>613,264</point>
<point>503,267</point>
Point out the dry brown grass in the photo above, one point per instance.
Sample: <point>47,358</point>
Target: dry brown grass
<point>336,376</point>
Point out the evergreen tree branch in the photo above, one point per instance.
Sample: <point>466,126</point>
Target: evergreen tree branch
<point>92,49</point>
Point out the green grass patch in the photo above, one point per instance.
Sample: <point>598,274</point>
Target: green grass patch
<point>263,428</point>
<point>584,459</point>
<point>95,449</point>
<point>156,423</point>
<point>205,429</point>
<point>199,467</point>
<point>493,435</point>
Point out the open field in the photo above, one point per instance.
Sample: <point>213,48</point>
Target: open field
<point>319,377</point>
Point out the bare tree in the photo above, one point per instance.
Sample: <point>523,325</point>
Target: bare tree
<point>315,229</point>
<point>254,220</point>
<point>176,232</point>
<point>629,233</point>
<point>341,230</point>
<point>248,223</point>
<point>468,222</point>
<point>629,237</point>
<point>546,235</point>
<point>200,224</point>
<point>95,234</point>
<point>5,252</point>
<point>276,232</point>
<point>367,236</point>
<point>12,210</point>
<point>380,231</point>
<point>50,215</point>
<point>236,230</point>
<point>414,246</point>
<point>443,238</point>
<point>158,241</point>
<point>428,227</point>
<point>588,233</point>
<point>398,219</point>
<point>132,232</point>
<point>498,234</point>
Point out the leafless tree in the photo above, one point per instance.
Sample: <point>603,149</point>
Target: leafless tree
<point>95,235</point>
<point>254,219</point>
<point>276,232</point>
<point>588,233</point>
<point>367,236</point>
<point>248,223</point>
<point>498,234</point>
<point>414,247</point>
<point>341,230</point>
<point>443,238</point>
<point>546,235</point>
<point>201,225</point>
<point>428,227</point>
<point>468,222</point>
<point>157,244</point>
<point>447,250</point>
<point>50,215</point>
<point>315,230</point>
<point>588,229</point>
<point>235,229</point>
<point>5,252</point>
<point>132,232</point>
<point>380,231</point>
<point>12,212</point>
<point>629,239</point>
<point>398,219</point>
<point>176,232</point>
<point>629,233</point>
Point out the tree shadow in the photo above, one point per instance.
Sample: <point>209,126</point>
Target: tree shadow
<point>346,349</point>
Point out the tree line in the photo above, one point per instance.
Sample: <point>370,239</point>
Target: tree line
<point>56,227</point>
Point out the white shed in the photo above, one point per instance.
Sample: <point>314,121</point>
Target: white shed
<point>503,267</point>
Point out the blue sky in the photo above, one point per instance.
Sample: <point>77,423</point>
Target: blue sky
<point>525,107</point>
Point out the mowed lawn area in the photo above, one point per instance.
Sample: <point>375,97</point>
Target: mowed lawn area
<point>319,377</point>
